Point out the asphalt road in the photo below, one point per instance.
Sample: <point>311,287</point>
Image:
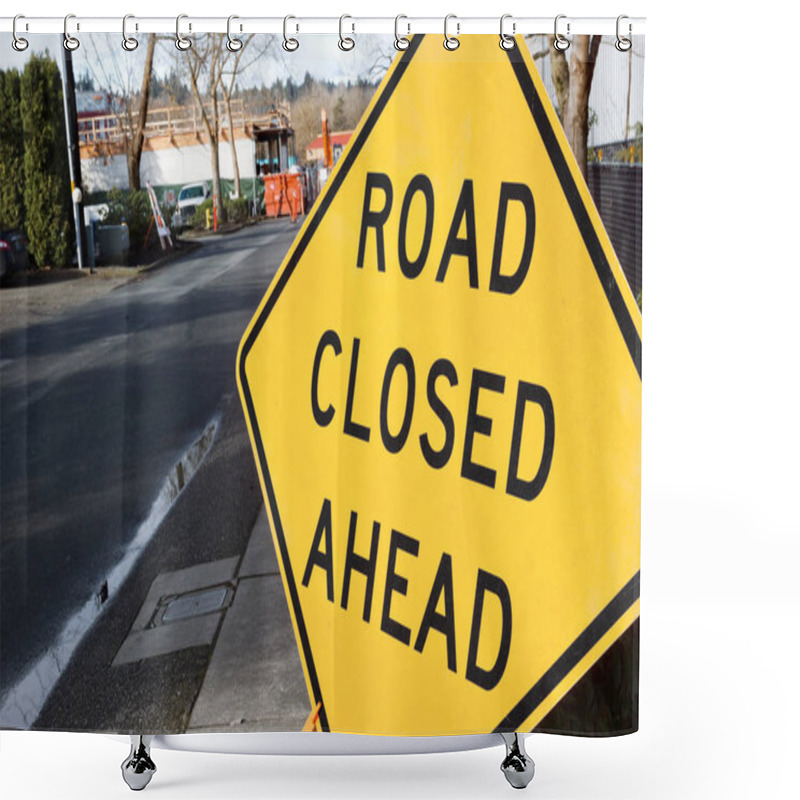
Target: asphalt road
<point>96,407</point>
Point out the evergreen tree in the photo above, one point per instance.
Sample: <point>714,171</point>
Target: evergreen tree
<point>47,191</point>
<point>85,83</point>
<point>12,176</point>
<point>339,122</point>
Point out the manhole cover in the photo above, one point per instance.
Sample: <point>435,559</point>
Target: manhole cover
<point>195,604</point>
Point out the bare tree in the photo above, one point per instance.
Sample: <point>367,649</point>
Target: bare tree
<point>136,143</point>
<point>233,66</point>
<point>227,91</point>
<point>116,73</point>
<point>213,70</point>
<point>346,104</point>
<point>306,115</point>
<point>573,84</point>
<point>206,60</point>
<point>356,100</point>
<point>383,54</point>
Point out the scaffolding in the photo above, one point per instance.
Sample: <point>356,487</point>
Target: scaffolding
<point>182,123</point>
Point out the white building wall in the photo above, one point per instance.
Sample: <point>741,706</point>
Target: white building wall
<point>171,165</point>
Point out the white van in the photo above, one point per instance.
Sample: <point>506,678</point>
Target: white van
<point>189,197</point>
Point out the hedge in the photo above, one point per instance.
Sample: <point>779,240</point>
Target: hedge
<point>12,152</point>
<point>48,204</point>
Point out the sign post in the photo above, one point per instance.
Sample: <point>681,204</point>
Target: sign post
<point>443,391</point>
<point>74,153</point>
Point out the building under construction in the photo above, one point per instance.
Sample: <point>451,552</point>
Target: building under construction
<point>274,142</point>
<point>176,145</point>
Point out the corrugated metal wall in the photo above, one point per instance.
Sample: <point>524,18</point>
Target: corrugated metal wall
<point>617,193</point>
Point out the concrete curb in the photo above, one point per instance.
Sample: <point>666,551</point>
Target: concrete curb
<point>172,255</point>
<point>158,693</point>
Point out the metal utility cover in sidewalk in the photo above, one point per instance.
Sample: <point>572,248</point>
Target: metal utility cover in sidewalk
<point>151,636</point>
<point>195,604</point>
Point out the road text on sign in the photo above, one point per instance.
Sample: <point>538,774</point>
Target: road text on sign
<point>443,390</point>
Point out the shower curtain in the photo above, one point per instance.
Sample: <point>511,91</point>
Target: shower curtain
<point>337,425</point>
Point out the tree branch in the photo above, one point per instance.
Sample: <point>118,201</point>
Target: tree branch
<point>194,60</point>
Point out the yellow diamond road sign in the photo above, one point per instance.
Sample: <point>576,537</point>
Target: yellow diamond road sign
<point>443,391</point>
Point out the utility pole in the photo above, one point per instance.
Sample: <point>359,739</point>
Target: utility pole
<point>74,152</point>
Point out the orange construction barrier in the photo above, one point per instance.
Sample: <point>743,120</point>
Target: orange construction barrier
<point>294,194</point>
<point>283,195</point>
<point>312,723</point>
<point>273,195</point>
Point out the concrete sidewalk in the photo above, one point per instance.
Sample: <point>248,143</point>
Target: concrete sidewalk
<point>199,636</point>
<point>254,680</point>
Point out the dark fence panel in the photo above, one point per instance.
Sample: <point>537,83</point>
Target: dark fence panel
<point>617,192</point>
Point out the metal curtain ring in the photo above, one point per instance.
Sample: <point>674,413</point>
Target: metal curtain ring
<point>451,42</point>
<point>234,45</point>
<point>128,42</point>
<point>70,42</point>
<point>19,44</point>
<point>401,42</point>
<point>346,42</point>
<point>181,42</point>
<point>289,44</point>
<point>560,43</point>
<point>623,43</point>
<point>507,42</point>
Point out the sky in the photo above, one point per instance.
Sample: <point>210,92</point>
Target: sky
<point>103,57</point>
<point>318,55</point>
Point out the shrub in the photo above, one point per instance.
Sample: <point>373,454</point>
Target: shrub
<point>12,150</point>
<point>167,214</point>
<point>199,218</point>
<point>236,210</point>
<point>132,208</point>
<point>48,205</point>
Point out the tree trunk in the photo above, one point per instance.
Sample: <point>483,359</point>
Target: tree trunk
<point>137,139</point>
<point>213,141</point>
<point>216,182</point>
<point>237,181</point>
<point>560,68</point>
<point>576,115</point>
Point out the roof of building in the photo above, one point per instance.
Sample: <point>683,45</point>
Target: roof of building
<point>342,137</point>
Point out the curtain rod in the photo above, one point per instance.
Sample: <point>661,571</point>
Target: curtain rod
<point>567,25</point>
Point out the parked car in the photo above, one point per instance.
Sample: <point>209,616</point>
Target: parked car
<point>189,197</point>
<point>13,252</point>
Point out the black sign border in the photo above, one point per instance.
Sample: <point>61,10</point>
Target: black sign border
<point>628,595</point>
